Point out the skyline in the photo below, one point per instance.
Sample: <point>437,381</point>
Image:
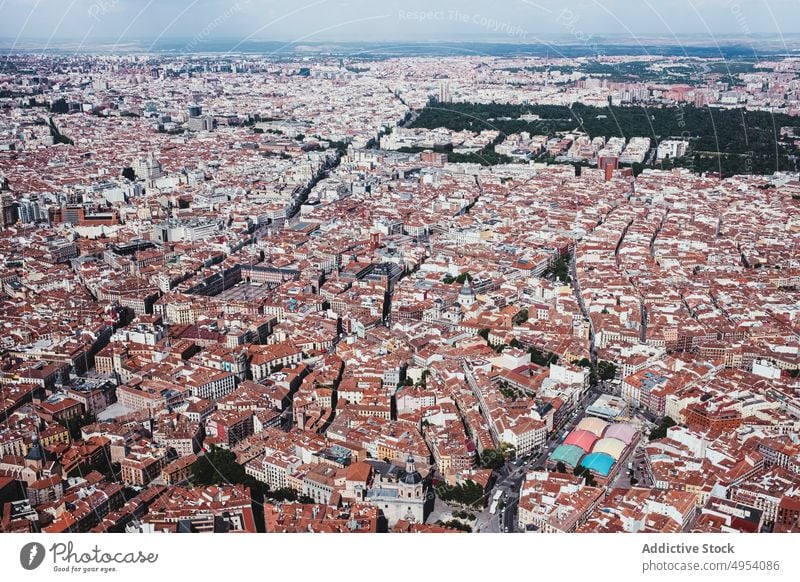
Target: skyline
<point>516,22</point>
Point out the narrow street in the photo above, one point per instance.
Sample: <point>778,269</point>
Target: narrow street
<point>513,473</point>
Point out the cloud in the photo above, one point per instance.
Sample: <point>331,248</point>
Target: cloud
<point>390,20</point>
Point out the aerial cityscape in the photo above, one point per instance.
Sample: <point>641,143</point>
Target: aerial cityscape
<point>402,290</point>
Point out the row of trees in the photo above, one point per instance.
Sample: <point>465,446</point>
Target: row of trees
<point>463,277</point>
<point>469,493</point>
<point>463,514</point>
<point>455,524</point>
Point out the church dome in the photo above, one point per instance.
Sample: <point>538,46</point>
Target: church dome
<point>411,476</point>
<point>466,290</point>
<point>37,453</point>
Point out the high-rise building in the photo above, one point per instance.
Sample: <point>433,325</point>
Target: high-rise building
<point>444,92</point>
<point>30,211</point>
<point>73,214</point>
<point>203,123</point>
<point>8,209</point>
<point>148,168</point>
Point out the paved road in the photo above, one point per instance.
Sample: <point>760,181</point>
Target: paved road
<point>513,474</point>
<point>487,523</point>
<point>576,289</point>
<point>510,515</point>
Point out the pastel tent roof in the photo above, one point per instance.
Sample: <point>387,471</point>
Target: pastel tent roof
<point>599,463</point>
<point>581,438</point>
<point>567,454</point>
<point>611,447</point>
<point>592,424</point>
<point>621,431</point>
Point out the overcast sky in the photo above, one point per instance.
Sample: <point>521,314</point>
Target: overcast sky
<point>390,20</point>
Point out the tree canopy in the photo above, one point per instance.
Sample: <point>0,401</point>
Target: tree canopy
<point>606,370</point>
<point>469,493</point>
<point>661,431</point>
<point>733,141</point>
